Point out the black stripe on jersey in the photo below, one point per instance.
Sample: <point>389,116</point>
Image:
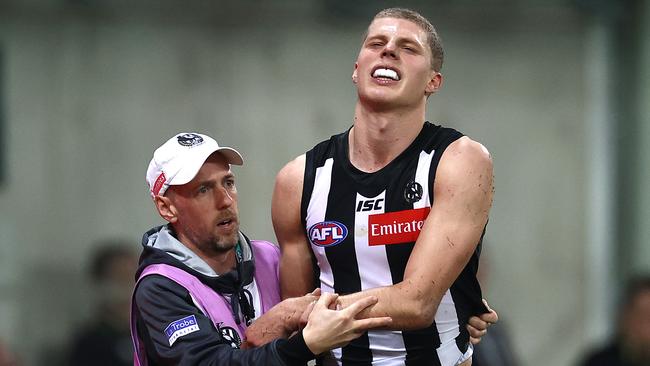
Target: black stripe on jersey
<point>309,179</point>
<point>307,188</point>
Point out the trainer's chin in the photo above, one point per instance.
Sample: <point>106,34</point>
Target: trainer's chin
<point>224,244</point>
<point>227,239</point>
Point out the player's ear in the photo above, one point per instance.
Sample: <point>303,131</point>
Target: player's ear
<point>434,84</point>
<point>355,75</point>
<point>166,208</point>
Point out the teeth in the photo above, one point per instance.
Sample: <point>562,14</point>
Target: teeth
<point>385,73</point>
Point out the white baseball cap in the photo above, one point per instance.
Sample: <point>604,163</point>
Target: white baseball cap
<point>178,160</point>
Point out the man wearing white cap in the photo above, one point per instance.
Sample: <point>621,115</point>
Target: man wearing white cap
<point>201,282</point>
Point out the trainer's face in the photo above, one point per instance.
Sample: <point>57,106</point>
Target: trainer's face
<point>394,64</point>
<point>205,213</point>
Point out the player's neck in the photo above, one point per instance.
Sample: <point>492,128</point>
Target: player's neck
<point>379,137</point>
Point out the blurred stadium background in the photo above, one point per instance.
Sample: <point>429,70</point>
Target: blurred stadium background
<point>558,90</point>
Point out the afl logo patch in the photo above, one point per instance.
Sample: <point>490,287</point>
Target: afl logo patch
<point>189,139</point>
<point>327,233</point>
<point>231,336</point>
<point>412,192</point>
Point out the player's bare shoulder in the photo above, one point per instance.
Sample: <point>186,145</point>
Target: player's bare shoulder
<point>287,193</point>
<point>466,165</point>
<point>467,151</point>
<point>291,176</point>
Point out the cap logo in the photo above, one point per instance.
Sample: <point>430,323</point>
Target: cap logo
<point>189,139</point>
<point>157,186</point>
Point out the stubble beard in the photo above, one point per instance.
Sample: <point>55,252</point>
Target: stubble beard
<point>223,243</point>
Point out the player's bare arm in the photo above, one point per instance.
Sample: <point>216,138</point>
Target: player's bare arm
<point>296,266</point>
<point>463,191</point>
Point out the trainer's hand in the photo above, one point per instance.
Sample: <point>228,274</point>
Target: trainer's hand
<point>328,328</point>
<point>477,325</point>
<point>280,321</point>
<point>305,315</point>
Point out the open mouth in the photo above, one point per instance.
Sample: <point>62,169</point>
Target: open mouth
<point>385,73</point>
<point>225,222</point>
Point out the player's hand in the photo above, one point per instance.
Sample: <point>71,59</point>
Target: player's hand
<point>477,326</point>
<point>329,328</point>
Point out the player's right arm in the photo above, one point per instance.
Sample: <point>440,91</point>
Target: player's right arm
<point>296,266</point>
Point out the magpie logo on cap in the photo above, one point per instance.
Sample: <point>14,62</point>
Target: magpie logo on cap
<point>189,139</point>
<point>177,161</point>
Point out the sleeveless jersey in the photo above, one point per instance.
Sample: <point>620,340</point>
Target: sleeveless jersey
<point>362,228</point>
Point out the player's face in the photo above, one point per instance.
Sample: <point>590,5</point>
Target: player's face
<point>394,64</point>
<point>206,208</point>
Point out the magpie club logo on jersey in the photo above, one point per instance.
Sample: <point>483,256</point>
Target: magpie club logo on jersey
<point>413,192</point>
<point>327,233</point>
<point>396,227</point>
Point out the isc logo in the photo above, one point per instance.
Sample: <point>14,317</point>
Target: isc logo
<point>327,233</point>
<point>370,205</point>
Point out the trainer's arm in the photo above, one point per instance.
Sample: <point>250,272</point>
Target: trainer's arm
<point>463,190</point>
<point>296,267</point>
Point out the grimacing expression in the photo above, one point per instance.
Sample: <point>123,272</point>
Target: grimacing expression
<point>206,208</point>
<point>394,64</point>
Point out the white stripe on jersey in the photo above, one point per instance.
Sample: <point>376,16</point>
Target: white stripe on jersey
<point>372,259</point>
<point>384,344</point>
<point>315,214</point>
<point>422,177</point>
<point>447,324</point>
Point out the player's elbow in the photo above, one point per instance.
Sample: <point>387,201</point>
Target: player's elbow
<point>418,314</point>
<point>427,314</point>
<point>419,308</point>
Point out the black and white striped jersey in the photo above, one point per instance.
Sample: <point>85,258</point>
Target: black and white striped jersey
<point>362,228</point>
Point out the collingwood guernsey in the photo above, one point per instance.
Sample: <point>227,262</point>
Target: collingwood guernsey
<point>362,228</point>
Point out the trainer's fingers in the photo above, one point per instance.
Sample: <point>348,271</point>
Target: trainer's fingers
<point>326,299</point>
<point>310,307</point>
<point>304,318</point>
<point>474,341</point>
<point>316,292</point>
<point>359,305</point>
<point>371,323</point>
